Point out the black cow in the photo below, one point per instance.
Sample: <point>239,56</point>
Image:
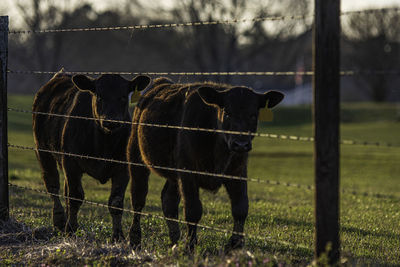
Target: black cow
<point>203,105</point>
<point>104,98</point>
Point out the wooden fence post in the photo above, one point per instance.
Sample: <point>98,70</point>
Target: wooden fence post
<point>4,201</point>
<point>326,83</point>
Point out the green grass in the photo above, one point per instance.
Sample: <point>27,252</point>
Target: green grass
<point>280,222</point>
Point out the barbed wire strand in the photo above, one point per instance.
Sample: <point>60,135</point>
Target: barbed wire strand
<point>194,24</point>
<point>219,175</point>
<point>166,25</point>
<point>223,176</point>
<point>371,11</point>
<point>233,73</point>
<point>161,217</point>
<point>266,135</point>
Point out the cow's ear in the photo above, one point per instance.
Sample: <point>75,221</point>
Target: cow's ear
<point>139,83</point>
<point>210,96</point>
<point>84,83</point>
<point>273,98</point>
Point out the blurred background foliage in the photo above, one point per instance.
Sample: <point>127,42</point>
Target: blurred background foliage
<point>370,41</point>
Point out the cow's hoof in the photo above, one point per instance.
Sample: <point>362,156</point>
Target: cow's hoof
<point>174,237</point>
<point>234,243</point>
<point>135,238</point>
<point>59,221</point>
<point>117,236</point>
<point>136,246</point>
<point>71,227</point>
<point>189,247</point>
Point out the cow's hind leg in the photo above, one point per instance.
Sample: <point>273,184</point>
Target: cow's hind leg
<point>139,187</point>
<point>75,193</point>
<point>118,188</point>
<point>170,198</point>
<point>237,191</point>
<point>192,208</point>
<point>52,182</point>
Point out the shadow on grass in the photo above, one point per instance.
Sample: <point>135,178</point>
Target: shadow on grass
<point>365,233</point>
<point>23,163</point>
<point>20,126</point>
<point>13,232</point>
<point>353,260</point>
<point>282,154</point>
<point>274,247</point>
<point>308,225</point>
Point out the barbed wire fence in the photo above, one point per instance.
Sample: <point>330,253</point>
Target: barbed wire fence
<point>176,127</point>
<point>221,176</point>
<point>195,24</point>
<point>203,173</point>
<point>233,73</point>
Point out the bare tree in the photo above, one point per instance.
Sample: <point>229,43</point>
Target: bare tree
<point>373,39</point>
<point>219,47</point>
<point>44,50</point>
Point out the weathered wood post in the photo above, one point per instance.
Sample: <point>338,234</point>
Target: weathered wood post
<point>4,202</point>
<point>326,82</point>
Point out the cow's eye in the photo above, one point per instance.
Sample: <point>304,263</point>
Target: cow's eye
<point>123,99</point>
<point>227,115</point>
<point>253,117</point>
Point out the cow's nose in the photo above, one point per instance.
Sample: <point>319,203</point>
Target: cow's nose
<point>241,146</point>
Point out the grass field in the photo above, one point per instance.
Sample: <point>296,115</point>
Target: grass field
<point>280,222</point>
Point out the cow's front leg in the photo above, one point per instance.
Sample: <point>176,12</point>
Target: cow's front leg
<point>192,208</point>
<point>116,200</point>
<point>237,191</point>
<point>170,203</point>
<point>74,194</point>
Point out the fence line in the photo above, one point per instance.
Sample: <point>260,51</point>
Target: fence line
<point>266,135</point>
<point>235,73</point>
<point>194,24</point>
<point>207,227</point>
<point>223,176</point>
<point>216,73</point>
<point>219,175</point>
<point>166,25</point>
<point>370,11</point>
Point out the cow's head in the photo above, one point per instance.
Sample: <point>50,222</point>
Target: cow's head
<point>238,109</point>
<point>110,96</point>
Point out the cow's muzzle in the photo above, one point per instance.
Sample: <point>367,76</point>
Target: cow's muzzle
<point>240,146</point>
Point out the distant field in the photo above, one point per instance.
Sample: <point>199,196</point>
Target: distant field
<point>280,217</point>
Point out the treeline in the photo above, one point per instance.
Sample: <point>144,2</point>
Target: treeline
<point>370,41</point>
